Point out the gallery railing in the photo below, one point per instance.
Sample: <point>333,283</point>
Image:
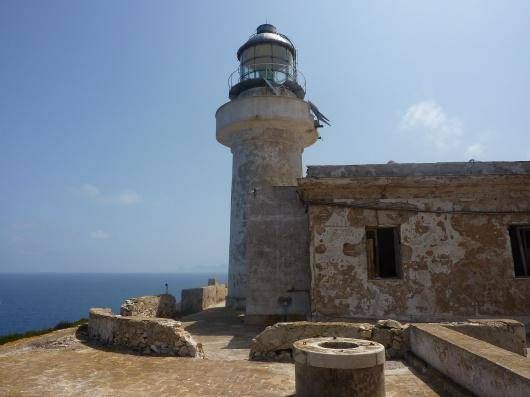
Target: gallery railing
<point>276,73</point>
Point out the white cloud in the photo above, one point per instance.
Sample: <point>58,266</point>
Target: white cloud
<point>128,198</point>
<point>87,190</point>
<point>473,151</point>
<point>431,121</point>
<point>100,235</point>
<point>91,192</point>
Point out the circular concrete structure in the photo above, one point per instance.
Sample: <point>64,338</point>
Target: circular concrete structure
<point>267,135</point>
<point>339,367</point>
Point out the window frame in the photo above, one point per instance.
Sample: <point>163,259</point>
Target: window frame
<point>374,266</point>
<point>514,233</point>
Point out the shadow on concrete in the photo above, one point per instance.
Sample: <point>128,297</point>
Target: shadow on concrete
<point>435,380</point>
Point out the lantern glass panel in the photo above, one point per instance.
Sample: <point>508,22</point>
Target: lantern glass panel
<point>267,61</point>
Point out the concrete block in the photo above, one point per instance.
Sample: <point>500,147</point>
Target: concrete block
<point>480,367</point>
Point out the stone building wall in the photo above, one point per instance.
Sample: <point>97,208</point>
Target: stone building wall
<point>456,259</point>
<point>275,343</point>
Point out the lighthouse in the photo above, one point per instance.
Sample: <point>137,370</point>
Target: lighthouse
<point>267,124</point>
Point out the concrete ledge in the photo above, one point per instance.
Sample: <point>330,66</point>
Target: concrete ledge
<point>146,335</point>
<point>504,333</point>
<point>480,367</point>
<point>420,169</point>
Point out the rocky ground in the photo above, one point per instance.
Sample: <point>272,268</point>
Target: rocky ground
<point>64,363</point>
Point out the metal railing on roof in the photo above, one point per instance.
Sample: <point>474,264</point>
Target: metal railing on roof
<point>275,73</point>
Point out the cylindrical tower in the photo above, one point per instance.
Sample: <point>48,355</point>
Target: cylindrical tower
<point>267,125</point>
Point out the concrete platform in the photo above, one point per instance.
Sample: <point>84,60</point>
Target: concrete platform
<point>64,363</point>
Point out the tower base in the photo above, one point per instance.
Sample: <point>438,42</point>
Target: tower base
<point>235,303</point>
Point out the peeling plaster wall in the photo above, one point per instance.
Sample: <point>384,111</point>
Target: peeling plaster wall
<point>454,265</point>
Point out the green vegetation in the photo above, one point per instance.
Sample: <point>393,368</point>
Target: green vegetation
<point>60,325</point>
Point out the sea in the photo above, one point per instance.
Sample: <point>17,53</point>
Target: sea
<point>32,301</point>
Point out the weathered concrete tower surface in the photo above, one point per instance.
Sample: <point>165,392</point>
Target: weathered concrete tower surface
<point>267,125</point>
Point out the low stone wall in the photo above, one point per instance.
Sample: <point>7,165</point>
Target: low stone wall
<point>153,336</point>
<point>480,367</point>
<point>194,300</point>
<point>275,343</point>
<point>164,306</point>
<point>506,334</point>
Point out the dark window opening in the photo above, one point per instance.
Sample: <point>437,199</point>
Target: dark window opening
<point>520,240</point>
<point>382,251</point>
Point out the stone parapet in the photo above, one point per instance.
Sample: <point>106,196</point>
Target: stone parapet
<point>194,300</point>
<point>146,335</point>
<point>275,343</point>
<point>163,306</point>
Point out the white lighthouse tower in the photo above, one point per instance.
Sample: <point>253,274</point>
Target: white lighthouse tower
<point>266,124</point>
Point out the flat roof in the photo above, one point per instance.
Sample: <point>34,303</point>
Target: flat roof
<point>419,169</point>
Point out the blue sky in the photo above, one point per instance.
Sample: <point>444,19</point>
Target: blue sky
<point>107,133</point>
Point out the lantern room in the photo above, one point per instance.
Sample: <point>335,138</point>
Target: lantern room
<point>268,58</point>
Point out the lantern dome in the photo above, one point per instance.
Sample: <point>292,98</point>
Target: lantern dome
<point>267,34</point>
